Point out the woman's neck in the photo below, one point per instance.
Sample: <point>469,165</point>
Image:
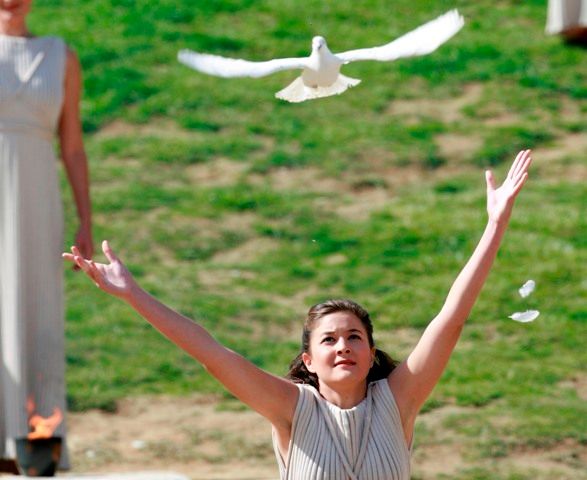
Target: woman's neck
<point>344,398</point>
<point>14,29</point>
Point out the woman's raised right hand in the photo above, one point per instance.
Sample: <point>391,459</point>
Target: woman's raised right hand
<point>114,278</point>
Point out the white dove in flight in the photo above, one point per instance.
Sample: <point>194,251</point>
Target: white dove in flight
<point>321,75</point>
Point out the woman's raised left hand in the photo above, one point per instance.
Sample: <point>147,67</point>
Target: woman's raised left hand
<point>500,201</point>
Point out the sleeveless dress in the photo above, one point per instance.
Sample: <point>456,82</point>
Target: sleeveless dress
<point>365,442</point>
<point>31,236</point>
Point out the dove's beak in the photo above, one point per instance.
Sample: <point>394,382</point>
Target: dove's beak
<point>317,43</point>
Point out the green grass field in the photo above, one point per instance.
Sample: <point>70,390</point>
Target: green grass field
<point>241,210</point>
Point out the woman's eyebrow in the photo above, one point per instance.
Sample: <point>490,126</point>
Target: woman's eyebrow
<point>350,330</point>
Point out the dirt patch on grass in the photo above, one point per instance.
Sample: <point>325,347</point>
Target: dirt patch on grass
<point>188,435</point>
<point>443,452</point>
<point>458,148</point>
<point>219,173</point>
<point>398,342</point>
<point>446,110</point>
<point>359,205</point>
<point>205,437</point>
<point>571,110</point>
<point>247,252</point>
<point>436,460</point>
<point>565,460</point>
<point>301,179</point>
<point>159,127</point>
<point>577,383</point>
<point>563,159</point>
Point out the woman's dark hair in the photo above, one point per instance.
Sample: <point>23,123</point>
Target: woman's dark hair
<point>382,365</point>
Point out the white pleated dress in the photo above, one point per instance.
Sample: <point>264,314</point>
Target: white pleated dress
<point>365,442</point>
<point>31,235</point>
<point>565,14</point>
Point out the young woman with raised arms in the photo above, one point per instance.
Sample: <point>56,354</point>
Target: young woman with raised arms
<point>346,410</point>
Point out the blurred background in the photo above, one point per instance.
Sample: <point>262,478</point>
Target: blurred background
<point>241,211</point>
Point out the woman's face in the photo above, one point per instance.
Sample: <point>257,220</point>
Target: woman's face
<point>339,352</point>
<point>14,10</point>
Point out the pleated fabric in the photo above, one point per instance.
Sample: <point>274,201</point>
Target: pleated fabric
<point>365,442</point>
<point>565,14</point>
<point>31,235</point>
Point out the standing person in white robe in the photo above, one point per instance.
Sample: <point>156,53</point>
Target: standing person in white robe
<point>39,102</point>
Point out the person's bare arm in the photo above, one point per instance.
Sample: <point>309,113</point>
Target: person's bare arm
<point>273,397</point>
<point>73,153</point>
<point>413,380</point>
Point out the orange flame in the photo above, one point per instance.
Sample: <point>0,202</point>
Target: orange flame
<point>42,427</point>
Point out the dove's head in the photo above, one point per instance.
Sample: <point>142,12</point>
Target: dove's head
<point>317,43</point>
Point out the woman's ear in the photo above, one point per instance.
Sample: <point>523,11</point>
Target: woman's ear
<point>307,359</point>
<point>373,355</point>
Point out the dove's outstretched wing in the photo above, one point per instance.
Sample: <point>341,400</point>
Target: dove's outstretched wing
<point>232,67</point>
<point>421,41</point>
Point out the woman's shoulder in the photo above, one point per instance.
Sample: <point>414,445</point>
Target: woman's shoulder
<point>48,39</point>
<point>306,389</point>
<point>382,383</point>
<point>382,389</point>
<point>56,41</point>
<point>308,396</point>
<point>49,44</point>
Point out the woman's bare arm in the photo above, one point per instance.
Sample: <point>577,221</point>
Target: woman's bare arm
<point>273,397</point>
<point>413,380</point>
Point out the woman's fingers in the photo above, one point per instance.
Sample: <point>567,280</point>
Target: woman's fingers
<point>520,164</point>
<point>490,180</point>
<point>83,264</point>
<point>68,256</point>
<point>76,257</point>
<point>520,183</point>
<point>515,164</point>
<point>75,251</point>
<point>95,273</point>
<point>110,255</point>
<point>521,173</point>
<point>527,163</point>
<point>88,266</point>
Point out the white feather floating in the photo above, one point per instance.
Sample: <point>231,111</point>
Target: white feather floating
<point>527,288</point>
<point>524,317</point>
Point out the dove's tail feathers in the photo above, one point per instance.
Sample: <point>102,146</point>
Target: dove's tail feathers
<point>294,92</point>
<point>297,91</point>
